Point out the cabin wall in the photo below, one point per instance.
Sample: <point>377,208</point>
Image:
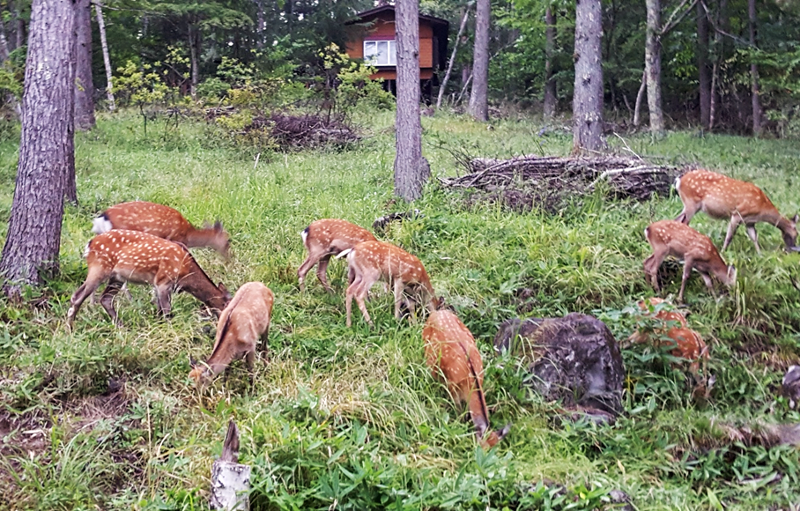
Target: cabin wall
<point>384,29</point>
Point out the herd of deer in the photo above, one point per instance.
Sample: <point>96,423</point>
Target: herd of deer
<point>148,243</point>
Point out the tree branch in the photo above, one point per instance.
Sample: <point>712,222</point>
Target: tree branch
<point>673,22</point>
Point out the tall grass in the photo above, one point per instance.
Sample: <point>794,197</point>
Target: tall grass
<point>351,418</point>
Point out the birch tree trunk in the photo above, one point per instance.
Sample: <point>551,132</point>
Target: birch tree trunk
<point>84,85</point>
<point>479,99</point>
<point>652,65</point>
<point>411,170</point>
<point>446,78</point>
<point>46,153</point>
<point>101,25</point>
<point>550,98</point>
<point>754,88</point>
<point>587,99</point>
<point>637,109</point>
<point>703,72</point>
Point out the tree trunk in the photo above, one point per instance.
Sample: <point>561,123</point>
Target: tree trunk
<point>479,99</point>
<point>20,31</point>
<point>637,109</point>
<point>446,78</point>
<point>550,98</point>
<point>101,25</point>
<point>587,100</point>
<point>757,113</point>
<point>84,85</point>
<point>719,44</point>
<point>652,65</point>
<point>703,72</point>
<point>411,170</point>
<point>10,99</point>
<point>194,50</point>
<point>46,153</point>
<point>260,20</point>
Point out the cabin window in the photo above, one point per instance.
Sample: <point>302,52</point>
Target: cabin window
<point>380,53</point>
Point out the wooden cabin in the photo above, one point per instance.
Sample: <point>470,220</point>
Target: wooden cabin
<point>371,36</point>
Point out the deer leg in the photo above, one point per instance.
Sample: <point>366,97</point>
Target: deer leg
<point>687,270</point>
<point>265,344</point>
<point>360,296</point>
<point>349,294</point>
<point>107,300</point>
<point>84,291</point>
<point>651,266</point>
<point>735,221</point>
<point>309,263</point>
<point>249,360</point>
<point>751,231</point>
<point>398,296</point>
<point>322,272</point>
<point>709,283</point>
<point>688,212</point>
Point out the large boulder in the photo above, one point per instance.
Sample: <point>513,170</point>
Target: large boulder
<point>575,359</point>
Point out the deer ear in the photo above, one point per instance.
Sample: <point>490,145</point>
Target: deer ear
<point>206,225</point>
<point>192,362</point>
<point>223,289</point>
<point>795,218</point>
<point>217,226</point>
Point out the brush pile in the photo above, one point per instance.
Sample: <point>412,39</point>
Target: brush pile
<point>549,182</point>
<point>306,131</point>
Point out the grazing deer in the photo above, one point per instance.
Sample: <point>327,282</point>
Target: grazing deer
<point>371,261</point>
<point>120,256</point>
<point>164,222</point>
<point>723,197</point>
<point>452,355</point>
<point>686,342</point>
<point>325,238</point>
<point>241,324</point>
<point>669,237</point>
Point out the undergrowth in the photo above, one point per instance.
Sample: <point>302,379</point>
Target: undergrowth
<point>350,418</point>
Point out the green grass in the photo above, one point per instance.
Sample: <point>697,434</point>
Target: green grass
<point>351,418</point>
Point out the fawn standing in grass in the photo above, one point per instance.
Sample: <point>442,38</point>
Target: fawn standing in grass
<point>325,238</point>
<point>120,256</point>
<point>452,355</point>
<point>723,197</point>
<point>164,222</point>
<point>243,322</point>
<point>669,237</point>
<point>371,261</point>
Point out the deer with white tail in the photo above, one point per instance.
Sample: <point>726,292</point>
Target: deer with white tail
<point>723,198</point>
<point>164,222</point>
<point>325,238</point>
<point>453,356</point>
<point>243,322</point>
<point>120,256</point>
<point>371,261</point>
<point>668,237</point>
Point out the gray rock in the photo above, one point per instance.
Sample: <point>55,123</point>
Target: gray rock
<point>574,359</point>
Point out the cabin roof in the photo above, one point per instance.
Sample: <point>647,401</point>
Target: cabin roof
<point>433,20</point>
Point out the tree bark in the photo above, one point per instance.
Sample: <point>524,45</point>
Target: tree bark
<point>260,20</point>
<point>411,170</point>
<point>550,97</point>
<point>84,85</point>
<point>587,99</point>
<point>46,154</point>
<point>194,51</point>
<point>637,109</point>
<point>10,99</point>
<point>446,78</point>
<point>754,88</point>
<point>101,25</point>
<point>703,72</point>
<point>479,99</point>
<point>719,43</point>
<point>652,65</point>
<point>20,31</point>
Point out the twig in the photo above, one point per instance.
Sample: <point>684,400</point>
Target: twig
<point>627,146</point>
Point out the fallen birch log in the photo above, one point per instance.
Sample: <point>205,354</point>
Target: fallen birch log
<point>230,481</point>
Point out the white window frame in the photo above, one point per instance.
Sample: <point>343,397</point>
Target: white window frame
<point>372,56</point>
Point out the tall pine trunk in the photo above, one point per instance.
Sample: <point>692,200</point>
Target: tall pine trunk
<point>703,72</point>
<point>411,170</point>
<point>194,53</point>
<point>652,65</point>
<point>550,97</point>
<point>587,99</point>
<point>479,99</point>
<point>756,100</point>
<point>101,25</point>
<point>84,85</point>
<point>46,153</point>
<point>443,86</point>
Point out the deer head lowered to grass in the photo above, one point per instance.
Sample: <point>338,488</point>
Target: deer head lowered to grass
<point>325,238</point>
<point>371,261</point>
<point>164,222</point>
<point>723,197</point>
<point>120,256</point>
<point>669,237</point>
<point>243,322</point>
<point>452,355</point>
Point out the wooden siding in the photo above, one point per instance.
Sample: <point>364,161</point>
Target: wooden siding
<point>389,73</point>
<point>384,29</point>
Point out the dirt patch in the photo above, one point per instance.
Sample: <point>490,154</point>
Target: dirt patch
<point>548,183</point>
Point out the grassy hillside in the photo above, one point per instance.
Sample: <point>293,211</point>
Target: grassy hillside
<point>340,418</point>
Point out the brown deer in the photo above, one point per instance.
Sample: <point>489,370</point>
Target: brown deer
<point>164,222</point>
<point>371,261</point>
<point>325,238</point>
<point>669,237</point>
<point>723,197</point>
<point>452,355</point>
<point>120,256</point>
<point>687,343</point>
<point>243,322</point>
